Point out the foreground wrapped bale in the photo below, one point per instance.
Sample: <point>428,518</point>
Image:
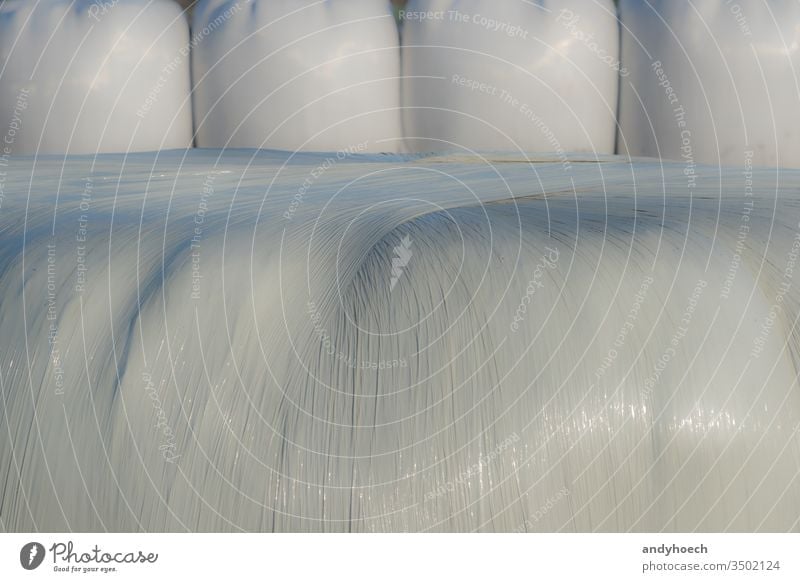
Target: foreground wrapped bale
<point>294,343</point>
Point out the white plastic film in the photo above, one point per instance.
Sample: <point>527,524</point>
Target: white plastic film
<point>511,76</point>
<point>297,75</point>
<point>711,82</point>
<point>225,342</point>
<point>86,76</point>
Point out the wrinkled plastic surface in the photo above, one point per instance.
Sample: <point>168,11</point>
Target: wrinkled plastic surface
<point>513,75</point>
<point>86,76</point>
<point>711,82</point>
<point>206,342</point>
<point>297,75</point>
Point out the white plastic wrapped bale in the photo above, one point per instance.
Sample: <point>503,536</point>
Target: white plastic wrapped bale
<point>297,75</point>
<point>512,76</point>
<point>194,342</point>
<point>711,82</point>
<point>86,76</point>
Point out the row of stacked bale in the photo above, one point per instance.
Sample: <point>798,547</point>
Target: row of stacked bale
<point>705,82</point>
